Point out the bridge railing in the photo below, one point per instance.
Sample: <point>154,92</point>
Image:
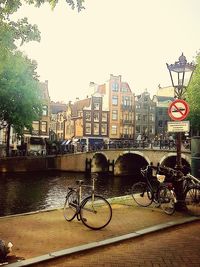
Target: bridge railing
<point>160,144</point>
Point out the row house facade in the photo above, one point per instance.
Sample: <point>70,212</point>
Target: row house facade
<point>108,114</point>
<point>57,115</point>
<point>162,117</point>
<point>111,113</point>
<point>163,98</point>
<point>35,142</point>
<point>145,116</point>
<point>121,105</point>
<point>96,122</point>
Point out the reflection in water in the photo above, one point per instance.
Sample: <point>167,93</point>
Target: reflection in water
<point>27,192</point>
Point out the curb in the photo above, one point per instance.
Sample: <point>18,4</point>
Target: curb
<point>69,251</point>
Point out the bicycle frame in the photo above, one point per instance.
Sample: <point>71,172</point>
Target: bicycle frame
<point>80,198</point>
<point>147,178</point>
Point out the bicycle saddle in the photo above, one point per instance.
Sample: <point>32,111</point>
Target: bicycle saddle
<point>79,182</point>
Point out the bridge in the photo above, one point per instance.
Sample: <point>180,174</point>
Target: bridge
<point>119,161</point>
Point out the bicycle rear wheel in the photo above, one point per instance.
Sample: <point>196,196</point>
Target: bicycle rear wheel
<point>95,212</point>
<point>70,206</point>
<point>192,201</point>
<point>167,200</point>
<point>141,194</point>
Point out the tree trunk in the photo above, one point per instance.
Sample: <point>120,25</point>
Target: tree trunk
<point>8,141</point>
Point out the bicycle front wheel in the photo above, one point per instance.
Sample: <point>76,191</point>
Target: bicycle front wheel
<point>70,206</point>
<point>192,201</point>
<point>141,194</point>
<point>95,212</point>
<point>167,200</point>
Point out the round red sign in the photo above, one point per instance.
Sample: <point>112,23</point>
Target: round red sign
<point>178,110</point>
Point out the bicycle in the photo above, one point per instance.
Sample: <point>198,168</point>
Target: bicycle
<point>191,190</point>
<point>94,211</point>
<point>157,191</point>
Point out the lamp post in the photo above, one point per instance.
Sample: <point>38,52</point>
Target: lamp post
<point>180,73</point>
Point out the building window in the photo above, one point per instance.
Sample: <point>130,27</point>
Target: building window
<point>138,117</point>
<point>126,100</point>
<point>96,106</point>
<point>115,100</point>
<point>35,125</point>
<point>138,106</point>
<point>115,115</point>
<point>151,117</point>
<point>137,129</point>
<point>144,117</point>
<point>114,129</point>
<point>45,110</point>
<point>104,116</point>
<point>104,129</point>
<point>145,106</point>
<point>160,123</point>
<point>88,128</point>
<point>61,126</point>
<point>151,129</point>
<point>44,126</point>
<point>124,89</point>
<point>125,130</point>
<point>88,116</point>
<point>80,113</point>
<point>96,116</point>
<point>96,128</point>
<point>115,87</point>
<point>144,129</point>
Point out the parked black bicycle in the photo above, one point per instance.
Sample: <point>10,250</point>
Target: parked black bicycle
<point>154,189</point>
<point>190,189</point>
<point>94,211</point>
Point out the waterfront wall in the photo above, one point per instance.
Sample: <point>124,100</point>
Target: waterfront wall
<point>115,161</point>
<point>69,162</point>
<point>22,164</point>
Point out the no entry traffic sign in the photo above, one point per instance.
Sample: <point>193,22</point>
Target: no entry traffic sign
<point>178,110</point>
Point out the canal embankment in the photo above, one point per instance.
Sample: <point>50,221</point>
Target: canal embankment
<point>69,162</point>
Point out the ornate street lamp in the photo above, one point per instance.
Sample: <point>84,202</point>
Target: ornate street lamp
<point>181,73</point>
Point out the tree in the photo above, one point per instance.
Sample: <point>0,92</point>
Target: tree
<point>19,87</point>
<point>9,7</point>
<point>193,98</point>
<point>20,94</point>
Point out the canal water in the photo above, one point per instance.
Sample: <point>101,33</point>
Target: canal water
<point>26,192</point>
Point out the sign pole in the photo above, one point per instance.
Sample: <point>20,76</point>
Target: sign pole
<point>178,110</point>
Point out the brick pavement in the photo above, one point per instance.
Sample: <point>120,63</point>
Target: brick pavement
<point>178,246</point>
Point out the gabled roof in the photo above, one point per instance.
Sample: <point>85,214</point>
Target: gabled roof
<point>79,105</point>
<point>57,107</point>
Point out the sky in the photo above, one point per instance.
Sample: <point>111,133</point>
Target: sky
<point>131,38</point>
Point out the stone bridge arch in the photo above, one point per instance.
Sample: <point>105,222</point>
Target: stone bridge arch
<point>130,163</point>
<point>121,161</point>
<point>169,160</point>
<point>99,162</point>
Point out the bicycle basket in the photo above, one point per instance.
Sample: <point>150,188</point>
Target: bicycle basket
<point>160,178</point>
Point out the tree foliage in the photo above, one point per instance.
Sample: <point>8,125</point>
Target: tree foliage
<point>20,102</point>
<point>193,97</point>
<point>19,92</point>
